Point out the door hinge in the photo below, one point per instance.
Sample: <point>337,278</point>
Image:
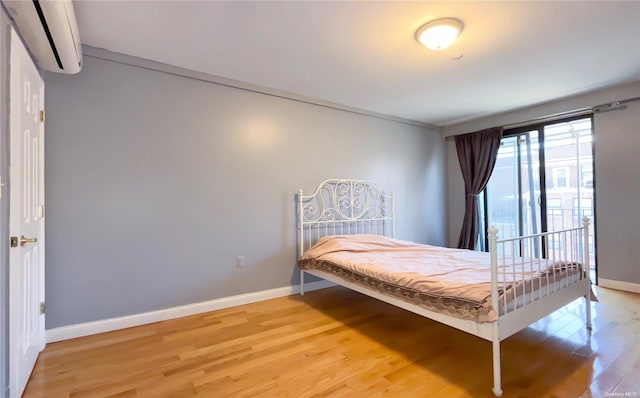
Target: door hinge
<point>41,211</point>
<point>42,307</point>
<point>42,116</point>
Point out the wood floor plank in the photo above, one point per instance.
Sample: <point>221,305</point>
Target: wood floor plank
<point>338,343</point>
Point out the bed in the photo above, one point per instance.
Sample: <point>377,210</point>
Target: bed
<point>346,235</point>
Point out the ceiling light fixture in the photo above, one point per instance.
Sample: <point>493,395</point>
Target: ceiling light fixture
<point>440,33</point>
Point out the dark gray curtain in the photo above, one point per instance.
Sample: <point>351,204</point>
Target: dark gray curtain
<point>477,153</point>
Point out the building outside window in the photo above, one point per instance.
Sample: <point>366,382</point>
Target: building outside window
<point>560,177</point>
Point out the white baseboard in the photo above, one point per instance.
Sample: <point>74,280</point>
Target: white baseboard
<point>619,285</point>
<point>107,325</point>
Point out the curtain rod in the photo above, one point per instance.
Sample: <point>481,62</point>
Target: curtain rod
<point>610,106</point>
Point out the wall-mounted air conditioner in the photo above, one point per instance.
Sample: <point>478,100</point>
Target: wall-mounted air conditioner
<point>50,31</point>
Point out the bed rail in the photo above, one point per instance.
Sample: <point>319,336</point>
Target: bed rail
<point>562,261</point>
<point>560,258</point>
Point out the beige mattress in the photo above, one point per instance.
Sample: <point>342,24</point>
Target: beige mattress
<point>454,282</point>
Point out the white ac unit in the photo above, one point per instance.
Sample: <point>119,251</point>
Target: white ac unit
<point>50,31</point>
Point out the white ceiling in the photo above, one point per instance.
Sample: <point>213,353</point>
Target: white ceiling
<point>363,54</point>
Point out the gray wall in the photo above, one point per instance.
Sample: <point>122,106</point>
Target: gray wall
<point>617,171</point>
<point>616,136</point>
<point>4,203</point>
<point>155,183</point>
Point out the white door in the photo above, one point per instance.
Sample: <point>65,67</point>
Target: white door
<point>26,223</point>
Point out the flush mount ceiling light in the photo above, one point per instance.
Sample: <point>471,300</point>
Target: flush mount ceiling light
<point>440,33</point>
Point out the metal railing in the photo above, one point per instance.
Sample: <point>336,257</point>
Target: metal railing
<point>557,220</point>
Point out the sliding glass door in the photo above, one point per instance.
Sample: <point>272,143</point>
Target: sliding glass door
<point>569,185</point>
<point>542,181</point>
<point>513,194</point>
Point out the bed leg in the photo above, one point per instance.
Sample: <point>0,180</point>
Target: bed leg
<point>587,267</point>
<point>588,309</point>
<point>497,388</point>
<point>301,282</point>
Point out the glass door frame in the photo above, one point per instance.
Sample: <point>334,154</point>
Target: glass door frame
<point>519,133</point>
<point>539,127</point>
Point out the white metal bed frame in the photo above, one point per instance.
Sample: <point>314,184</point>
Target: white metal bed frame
<point>348,207</point>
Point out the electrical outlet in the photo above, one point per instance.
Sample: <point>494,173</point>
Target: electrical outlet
<point>240,262</point>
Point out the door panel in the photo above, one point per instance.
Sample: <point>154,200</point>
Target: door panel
<point>26,263</point>
<point>502,191</point>
<point>569,170</point>
<point>513,192</point>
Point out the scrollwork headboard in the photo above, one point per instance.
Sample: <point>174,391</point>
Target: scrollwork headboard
<point>344,207</point>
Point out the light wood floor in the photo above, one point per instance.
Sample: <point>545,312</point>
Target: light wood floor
<point>338,343</point>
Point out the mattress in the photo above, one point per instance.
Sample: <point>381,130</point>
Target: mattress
<point>455,282</point>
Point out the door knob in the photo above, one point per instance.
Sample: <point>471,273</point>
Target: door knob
<point>24,241</point>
